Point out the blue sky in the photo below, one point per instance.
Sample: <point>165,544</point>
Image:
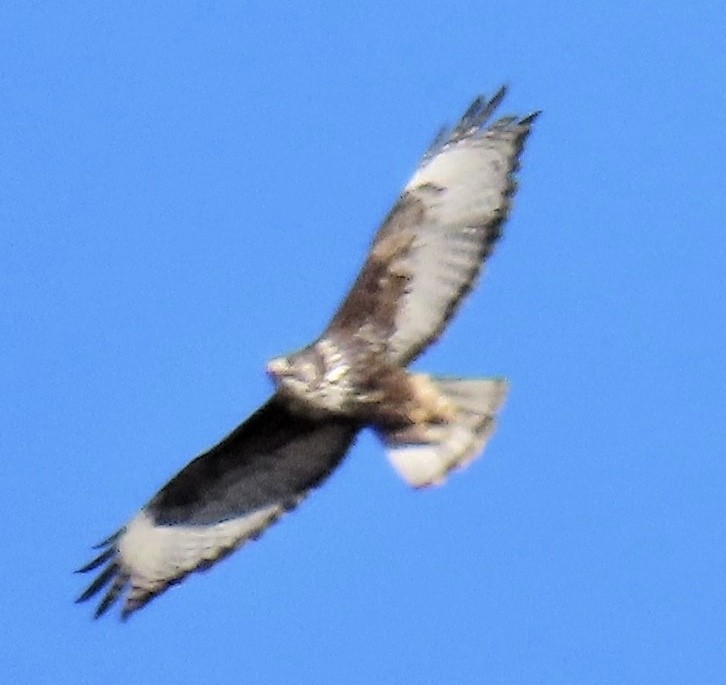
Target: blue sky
<point>187,189</point>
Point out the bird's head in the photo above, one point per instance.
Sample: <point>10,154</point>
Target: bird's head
<point>298,374</point>
<point>314,377</point>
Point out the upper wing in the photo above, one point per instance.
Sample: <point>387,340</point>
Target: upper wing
<point>430,249</point>
<point>223,498</point>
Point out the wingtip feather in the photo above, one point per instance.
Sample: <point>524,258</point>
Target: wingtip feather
<point>110,540</point>
<point>95,563</point>
<point>530,118</point>
<point>103,579</point>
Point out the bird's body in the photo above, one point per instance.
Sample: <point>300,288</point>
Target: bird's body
<point>424,259</point>
<point>334,376</point>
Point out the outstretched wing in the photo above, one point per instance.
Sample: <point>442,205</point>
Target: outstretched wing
<point>429,251</point>
<point>220,500</point>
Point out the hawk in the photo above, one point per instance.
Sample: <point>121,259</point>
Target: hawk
<point>424,259</point>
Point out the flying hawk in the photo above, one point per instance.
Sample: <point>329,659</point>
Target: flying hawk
<point>424,259</point>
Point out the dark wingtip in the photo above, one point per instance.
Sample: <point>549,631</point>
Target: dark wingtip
<point>497,98</point>
<point>108,541</point>
<point>478,112</point>
<point>475,116</point>
<point>109,598</point>
<point>104,556</point>
<point>103,579</point>
<point>474,108</point>
<point>110,577</point>
<point>530,118</point>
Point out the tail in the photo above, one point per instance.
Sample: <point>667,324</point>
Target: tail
<point>424,455</point>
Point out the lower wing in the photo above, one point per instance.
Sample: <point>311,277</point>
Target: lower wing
<point>221,499</point>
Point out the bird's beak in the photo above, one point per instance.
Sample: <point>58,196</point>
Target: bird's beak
<point>278,367</point>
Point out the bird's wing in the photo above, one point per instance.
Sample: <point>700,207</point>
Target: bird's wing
<point>429,251</point>
<point>220,500</point>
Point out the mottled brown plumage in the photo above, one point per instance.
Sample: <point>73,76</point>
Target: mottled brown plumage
<point>383,280</point>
